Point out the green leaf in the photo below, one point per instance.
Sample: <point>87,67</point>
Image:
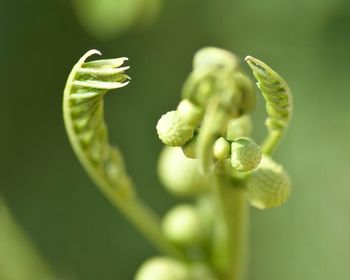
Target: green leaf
<point>278,101</point>
<point>87,83</point>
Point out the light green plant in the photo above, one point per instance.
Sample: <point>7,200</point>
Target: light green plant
<point>105,19</point>
<point>209,156</point>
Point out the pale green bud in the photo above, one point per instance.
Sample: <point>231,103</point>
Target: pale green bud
<point>172,130</point>
<point>179,174</point>
<point>163,268</point>
<point>269,185</point>
<point>249,97</point>
<point>212,74</point>
<point>239,127</point>
<point>221,149</point>
<point>198,88</point>
<point>189,112</point>
<point>181,225</point>
<point>210,56</point>
<point>189,149</point>
<point>245,155</point>
<point>200,271</point>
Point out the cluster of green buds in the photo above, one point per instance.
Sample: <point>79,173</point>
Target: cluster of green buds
<point>212,126</point>
<point>208,135</point>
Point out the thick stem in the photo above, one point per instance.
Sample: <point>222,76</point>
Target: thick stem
<point>230,250</point>
<point>239,229</point>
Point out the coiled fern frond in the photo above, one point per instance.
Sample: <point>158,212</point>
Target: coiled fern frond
<point>278,100</point>
<point>87,83</point>
<point>83,113</point>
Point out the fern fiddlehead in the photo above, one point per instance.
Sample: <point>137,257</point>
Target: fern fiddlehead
<point>278,101</point>
<point>83,112</point>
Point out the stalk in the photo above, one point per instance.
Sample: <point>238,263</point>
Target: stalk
<point>271,142</point>
<point>144,220</point>
<point>230,249</point>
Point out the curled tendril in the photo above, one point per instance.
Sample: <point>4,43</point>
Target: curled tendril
<point>87,83</point>
<point>278,101</point>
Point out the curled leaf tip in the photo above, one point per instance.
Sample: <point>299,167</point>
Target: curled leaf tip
<point>90,53</point>
<point>278,99</point>
<point>248,57</point>
<point>257,65</point>
<point>83,110</point>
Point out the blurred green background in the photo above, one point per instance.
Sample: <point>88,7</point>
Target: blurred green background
<point>71,223</point>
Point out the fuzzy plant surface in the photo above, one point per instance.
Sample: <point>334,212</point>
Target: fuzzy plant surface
<point>209,159</point>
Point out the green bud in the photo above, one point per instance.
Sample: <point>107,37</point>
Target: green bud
<point>163,268</point>
<point>200,271</point>
<point>173,131</point>
<point>245,155</point>
<point>202,88</point>
<point>181,225</point>
<point>179,174</point>
<point>222,148</point>
<point>189,149</point>
<point>189,112</point>
<point>249,98</point>
<point>211,56</point>
<point>239,127</point>
<point>268,186</point>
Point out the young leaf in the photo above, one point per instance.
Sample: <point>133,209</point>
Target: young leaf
<point>278,101</point>
<point>86,86</point>
<point>87,83</point>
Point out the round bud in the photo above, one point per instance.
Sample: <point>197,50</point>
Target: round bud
<point>239,127</point>
<point>172,130</point>
<point>163,268</point>
<point>189,149</point>
<point>179,174</point>
<point>189,112</point>
<point>269,185</point>
<point>249,98</point>
<point>245,155</point>
<point>200,271</point>
<point>203,90</point>
<point>211,56</point>
<point>222,148</point>
<point>181,225</point>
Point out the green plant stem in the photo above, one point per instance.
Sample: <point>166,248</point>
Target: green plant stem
<point>231,238</point>
<point>271,142</point>
<point>138,214</point>
<point>147,223</point>
<point>124,199</point>
<point>121,193</point>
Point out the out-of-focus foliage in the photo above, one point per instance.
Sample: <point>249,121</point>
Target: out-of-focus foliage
<point>56,204</point>
<point>19,258</point>
<point>108,18</point>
